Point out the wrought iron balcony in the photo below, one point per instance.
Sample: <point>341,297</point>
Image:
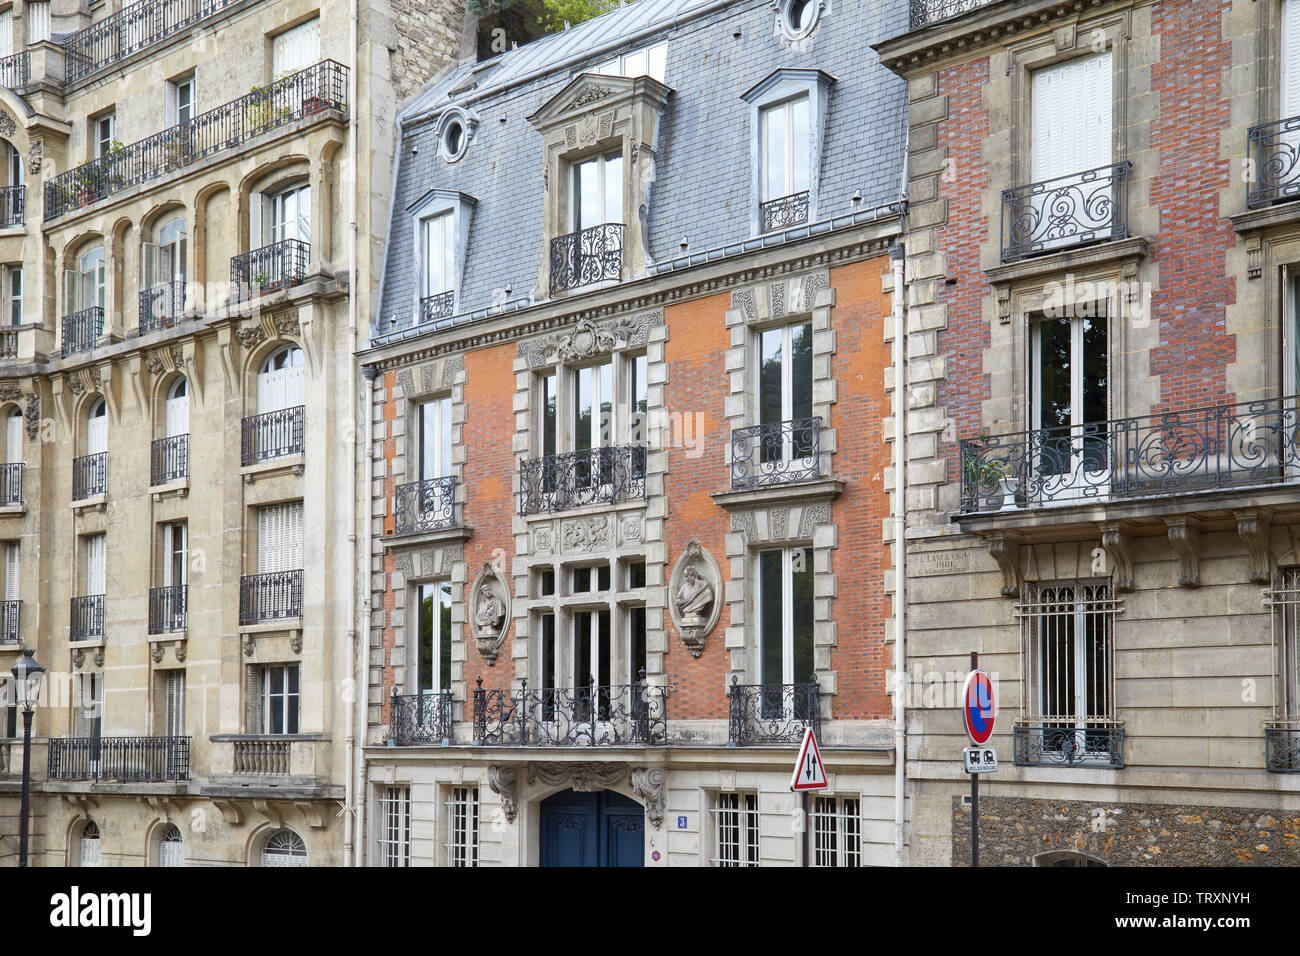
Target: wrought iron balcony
<point>168,608</point>
<point>320,87</point>
<point>1095,743</point>
<point>11,483</point>
<point>281,265</point>
<point>767,714</point>
<point>276,596</point>
<point>272,435</point>
<point>428,505</point>
<point>785,212</point>
<point>10,617</point>
<point>87,618</point>
<point>604,475</point>
<point>586,716</point>
<point>13,202</point>
<point>169,459</point>
<point>1273,157</point>
<point>1065,212</point>
<point>161,305</point>
<point>778,453</point>
<point>16,70</point>
<point>81,330</point>
<point>125,759</point>
<point>89,476</point>
<point>585,257</point>
<point>434,307</point>
<point>1282,746</point>
<point>927,12</point>
<point>132,28</point>
<point>1216,447</point>
<point>420,718</point>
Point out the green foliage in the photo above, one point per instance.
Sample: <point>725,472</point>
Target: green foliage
<point>573,12</point>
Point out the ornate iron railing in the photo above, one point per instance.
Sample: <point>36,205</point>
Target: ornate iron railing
<point>320,87</point>
<point>10,617</point>
<point>86,619</point>
<point>170,459</point>
<point>275,596</point>
<point>778,453</point>
<point>131,29</point>
<point>261,756</point>
<point>13,203</point>
<point>605,475</point>
<point>1273,160</point>
<point>8,343</point>
<point>926,12</point>
<point>168,608</point>
<point>784,212</point>
<point>126,759</point>
<point>11,483</point>
<point>16,70</point>
<point>420,718</point>
<point>89,475</point>
<point>1068,211</point>
<point>161,305</point>
<point>1282,746</point>
<point>281,265</point>
<point>81,330</point>
<point>434,307</point>
<point>772,713</point>
<point>585,716</point>
<point>1098,743</point>
<point>1219,446</point>
<point>590,255</point>
<point>428,505</point>
<point>272,435</point>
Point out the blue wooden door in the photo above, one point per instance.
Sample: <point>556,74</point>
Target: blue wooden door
<point>592,829</point>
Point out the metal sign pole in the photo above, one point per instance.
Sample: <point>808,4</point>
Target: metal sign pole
<point>974,793</point>
<point>803,801</point>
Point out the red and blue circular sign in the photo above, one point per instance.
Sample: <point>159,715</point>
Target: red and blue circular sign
<point>978,708</point>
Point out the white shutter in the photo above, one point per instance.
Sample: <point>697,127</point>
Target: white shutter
<point>95,583</point>
<point>14,438</point>
<point>178,415</point>
<point>1290,58</point>
<point>279,538</point>
<point>6,32</point>
<point>294,385</point>
<point>38,20</point>
<point>270,391</point>
<point>293,537</point>
<point>296,49</point>
<point>97,435</point>
<point>175,705</point>
<point>268,538</point>
<point>1071,117</point>
<point>11,571</point>
<point>171,853</point>
<point>89,847</point>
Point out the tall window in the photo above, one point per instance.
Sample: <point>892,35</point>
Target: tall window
<point>290,214</point>
<point>787,149</point>
<point>103,130</point>
<point>1285,600</point>
<point>13,294</point>
<point>88,707</point>
<point>97,428</point>
<point>836,831</point>
<point>434,656</point>
<point>88,844</point>
<point>284,848</point>
<point>15,159</point>
<point>395,821</point>
<point>437,246</point>
<point>172,710</point>
<point>280,382</point>
<point>175,563</point>
<point>785,395</point>
<point>14,436</point>
<point>180,101</point>
<point>176,412</point>
<point>462,827</point>
<point>735,829</point>
<point>296,48</point>
<point>11,591</point>
<point>7,31</point>
<point>280,699</point>
<point>785,619</point>
<point>171,846</point>
<point>435,438</point>
<point>597,195</point>
<point>279,538</point>
<point>86,288</point>
<point>37,13</point>
<point>94,566</point>
<point>165,260</point>
<point>1070,400</point>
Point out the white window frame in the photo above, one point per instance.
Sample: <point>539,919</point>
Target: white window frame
<point>13,292</point>
<point>180,100</point>
<point>439,681</point>
<point>171,846</point>
<point>649,61</point>
<point>463,819</point>
<point>395,826</point>
<point>437,239</point>
<point>783,115</point>
<point>104,131</point>
<point>288,702</point>
<point>284,847</point>
<point>1283,597</point>
<point>611,203</point>
<point>735,821</point>
<point>788,561</point>
<point>835,831</point>
<point>88,841</point>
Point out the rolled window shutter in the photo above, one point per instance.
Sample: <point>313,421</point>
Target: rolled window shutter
<point>14,437</point>
<point>1290,56</point>
<point>11,572</point>
<point>253,699</point>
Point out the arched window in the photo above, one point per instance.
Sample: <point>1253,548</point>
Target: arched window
<point>280,382</point>
<point>171,848</point>
<point>88,851</point>
<point>87,286</point>
<point>288,214</point>
<point>14,436</point>
<point>97,428</point>
<point>177,414</point>
<point>284,848</point>
<point>162,300</point>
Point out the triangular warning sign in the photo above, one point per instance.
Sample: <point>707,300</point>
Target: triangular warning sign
<point>809,771</point>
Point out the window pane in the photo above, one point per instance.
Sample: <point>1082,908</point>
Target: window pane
<point>1054,373</point>
<point>636,642</point>
<point>425,674</point>
<point>800,145</point>
<point>548,415</point>
<point>769,382</point>
<point>801,371</point>
<point>772,121</point>
<point>613,211</point>
<point>1095,406</point>
<point>444,634</point>
<point>801,571</point>
<point>771,633</point>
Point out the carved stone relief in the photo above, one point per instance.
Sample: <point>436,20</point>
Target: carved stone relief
<point>489,611</point>
<point>587,339</point>
<point>695,587</point>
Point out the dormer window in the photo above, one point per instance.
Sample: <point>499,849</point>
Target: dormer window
<point>597,196</point>
<point>648,61</point>
<point>441,223</point>
<point>785,160</point>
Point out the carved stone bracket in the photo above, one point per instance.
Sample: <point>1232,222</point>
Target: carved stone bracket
<point>1117,543</point>
<point>1005,551</point>
<point>504,781</point>
<point>583,776</point>
<point>1252,526</point>
<point>1185,538</point>
<point>695,589</point>
<point>650,784</point>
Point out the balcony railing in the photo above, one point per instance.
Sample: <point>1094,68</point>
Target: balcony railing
<point>778,453</point>
<point>13,202</point>
<point>87,617</point>
<point>167,609</point>
<point>1065,212</point>
<point>320,87</point>
<point>10,617</point>
<point>605,475</point>
<point>11,483</point>
<point>1097,743</point>
<point>434,307</point>
<point>1221,446</point>
<point>1273,157</point>
<point>281,265</point>
<point>81,330</point>
<point>16,70</point>
<point>591,255</point>
<point>272,435</point>
<point>586,716</point>
<point>8,343</point>
<point>161,305</point>
<point>261,756</point>
<point>1282,746</point>
<point>276,596</point>
<point>169,459</point>
<point>768,714</point>
<point>926,12</point>
<point>89,476</point>
<point>428,505</point>
<point>125,759</point>
<point>785,212</point>
<point>420,718</point>
<point>132,28</point>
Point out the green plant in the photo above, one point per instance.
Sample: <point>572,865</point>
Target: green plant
<point>979,472</point>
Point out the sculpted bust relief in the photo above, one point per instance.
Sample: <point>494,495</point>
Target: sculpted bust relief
<point>694,585</point>
<point>491,612</point>
<point>694,596</point>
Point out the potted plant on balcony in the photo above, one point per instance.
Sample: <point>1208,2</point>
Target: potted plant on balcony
<point>983,474</point>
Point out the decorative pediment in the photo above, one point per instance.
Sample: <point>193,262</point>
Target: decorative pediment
<point>597,92</point>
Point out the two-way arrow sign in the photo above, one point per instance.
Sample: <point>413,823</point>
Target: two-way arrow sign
<point>809,771</point>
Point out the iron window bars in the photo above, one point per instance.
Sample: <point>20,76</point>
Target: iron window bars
<point>89,476</point>
<point>168,607</point>
<point>161,305</point>
<point>169,459</point>
<point>81,330</point>
<point>11,483</point>
<point>784,212</point>
<point>768,714</point>
<point>13,202</point>
<point>86,617</point>
<point>1282,729</point>
<point>281,265</point>
<point>1273,158</point>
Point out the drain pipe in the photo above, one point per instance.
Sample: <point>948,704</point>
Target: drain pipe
<point>900,559</point>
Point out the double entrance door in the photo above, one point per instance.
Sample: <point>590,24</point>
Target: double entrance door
<point>592,829</point>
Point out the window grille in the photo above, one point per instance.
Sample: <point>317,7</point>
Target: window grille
<point>735,828</point>
<point>462,827</point>
<point>836,831</point>
<point>395,839</point>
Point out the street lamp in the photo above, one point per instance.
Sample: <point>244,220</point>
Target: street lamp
<point>27,694</point>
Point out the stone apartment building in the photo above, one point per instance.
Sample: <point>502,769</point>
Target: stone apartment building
<point>626,438</point>
<point>181,292</point>
<point>1101,501</point>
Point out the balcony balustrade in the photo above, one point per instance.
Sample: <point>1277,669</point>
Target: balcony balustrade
<point>169,459</point>
<point>584,716</point>
<point>771,714</point>
<point>264,598</point>
<point>428,505</point>
<point>13,204</point>
<point>281,265</point>
<point>16,70</point>
<point>132,28</point>
<point>605,475</point>
<point>81,330</point>
<point>1065,212</point>
<point>1273,158</point>
<point>86,620</point>
<point>272,435</point>
<point>161,305</point>
<point>89,476</point>
<point>10,618</point>
<point>776,453</point>
<point>124,759</point>
<point>440,306</point>
<point>11,483</point>
<point>586,257</point>
<point>1095,742</point>
<point>168,608</point>
<point>1282,745</point>
<point>420,718</point>
<point>784,212</point>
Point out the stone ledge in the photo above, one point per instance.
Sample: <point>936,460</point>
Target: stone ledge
<point>397,542</point>
<point>94,502</point>
<point>1067,260</point>
<point>287,465</point>
<point>793,493</point>
<point>1257,220</point>
<point>179,488</point>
